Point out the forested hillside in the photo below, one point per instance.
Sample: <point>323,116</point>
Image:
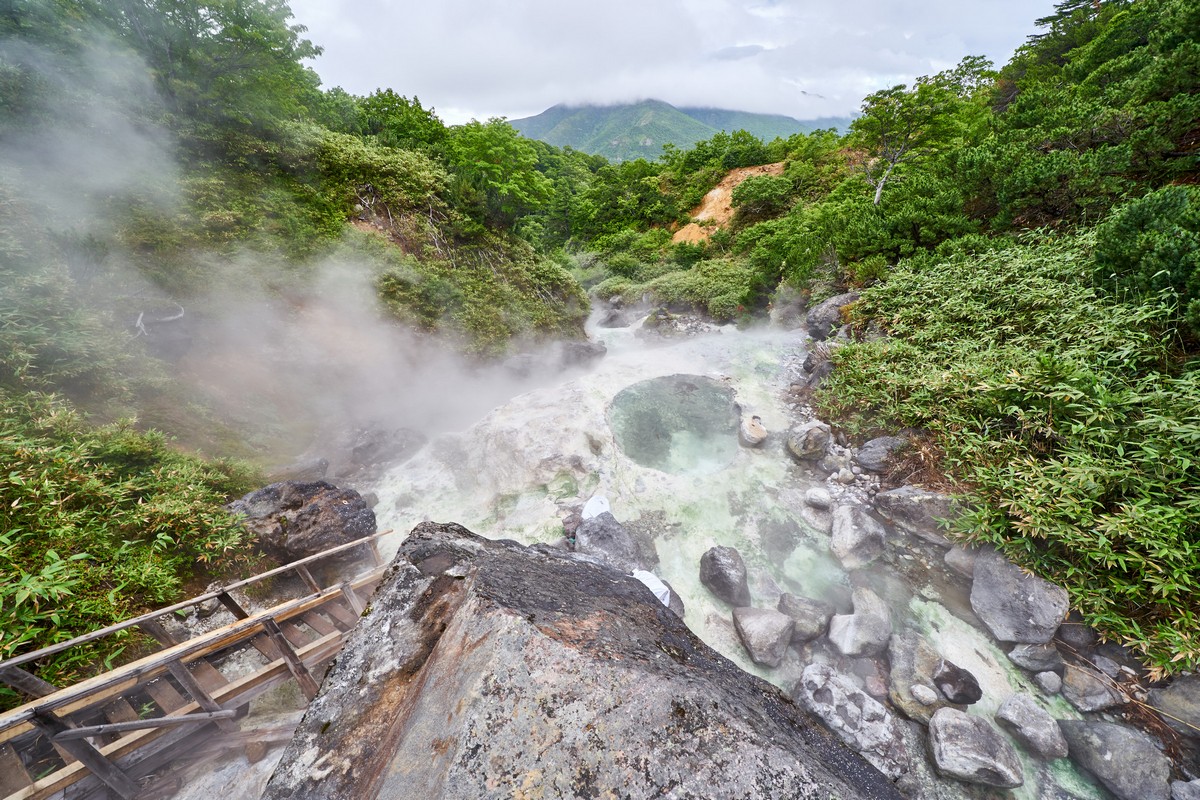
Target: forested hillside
<point>1025,240</point>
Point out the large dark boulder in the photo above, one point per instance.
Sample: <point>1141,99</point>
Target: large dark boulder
<point>723,572</point>
<point>293,519</point>
<point>483,669</point>
<point>1125,760</point>
<point>1016,606</point>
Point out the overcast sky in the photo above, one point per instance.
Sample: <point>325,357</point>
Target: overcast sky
<point>514,58</point>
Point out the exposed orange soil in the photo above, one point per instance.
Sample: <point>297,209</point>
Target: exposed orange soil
<point>716,210</point>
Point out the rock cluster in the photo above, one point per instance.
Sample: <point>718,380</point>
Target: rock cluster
<point>484,669</point>
<point>867,679</point>
<point>294,519</point>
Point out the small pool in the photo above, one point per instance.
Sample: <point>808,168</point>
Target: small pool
<point>681,424</point>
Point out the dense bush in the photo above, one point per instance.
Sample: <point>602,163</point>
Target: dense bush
<point>1151,246</point>
<point>1052,407</point>
<point>99,524</point>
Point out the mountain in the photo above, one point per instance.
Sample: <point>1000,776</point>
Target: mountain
<point>639,130</point>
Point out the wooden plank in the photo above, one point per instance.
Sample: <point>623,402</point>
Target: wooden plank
<point>162,692</point>
<point>353,599</point>
<point>344,617</point>
<point>143,724</point>
<point>308,578</point>
<point>26,682</point>
<point>235,693</point>
<point>296,636</point>
<point>319,623</point>
<point>162,612</point>
<point>109,773</point>
<point>304,679</point>
<point>94,690</point>
<point>13,776</point>
<point>199,692</point>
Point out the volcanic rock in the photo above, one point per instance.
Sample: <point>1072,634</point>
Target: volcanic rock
<point>917,511</point>
<point>1123,759</point>
<point>810,617</point>
<point>867,630</point>
<point>751,432</point>
<point>1088,690</point>
<point>873,456</point>
<point>292,520</point>
<point>483,668</point>
<point>765,633</point>
<point>856,538</point>
<point>1036,657</point>
<point>1016,606</point>
<point>723,573</point>
<point>826,316</point>
<point>606,539</point>
<point>957,684</point>
<point>1180,704</point>
<point>970,749</point>
<point>809,441</point>
<point>862,722</point>
<point>1032,725</point>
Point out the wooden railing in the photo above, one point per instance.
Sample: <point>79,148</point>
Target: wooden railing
<point>110,732</point>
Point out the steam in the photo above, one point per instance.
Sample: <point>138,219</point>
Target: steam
<point>288,356</point>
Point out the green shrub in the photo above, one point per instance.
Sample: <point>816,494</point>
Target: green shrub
<point>1151,246</point>
<point>1078,454</point>
<point>99,524</point>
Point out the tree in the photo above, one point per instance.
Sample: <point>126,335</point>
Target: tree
<point>496,168</point>
<point>902,125</point>
<point>396,121</point>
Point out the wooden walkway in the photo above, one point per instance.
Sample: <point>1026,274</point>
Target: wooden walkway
<point>105,736</point>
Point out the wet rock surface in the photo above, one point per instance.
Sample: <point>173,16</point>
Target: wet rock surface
<point>1016,606</point>
<point>603,537</point>
<point>1180,704</point>
<point>293,519</point>
<point>1126,761</point>
<point>1089,690</point>
<point>970,749</point>
<point>1032,725</point>
<point>810,618</point>
<point>723,572</point>
<point>766,634</point>
<point>483,669</point>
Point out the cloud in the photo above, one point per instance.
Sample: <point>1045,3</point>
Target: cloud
<point>482,59</point>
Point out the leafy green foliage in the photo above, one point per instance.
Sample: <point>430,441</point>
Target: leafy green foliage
<point>761,196</point>
<point>1152,247</point>
<point>496,170</point>
<point>1078,453</point>
<point>101,523</point>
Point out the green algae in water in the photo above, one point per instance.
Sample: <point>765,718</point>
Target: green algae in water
<point>681,424</point>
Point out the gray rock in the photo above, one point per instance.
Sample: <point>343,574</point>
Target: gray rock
<point>818,498</point>
<point>1180,704</point>
<point>865,632</point>
<point>913,660</point>
<point>970,749</point>
<point>873,456</point>
<point>483,667</point>
<point>1016,606</point>
<point>765,633</point>
<point>1076,634</point>
<point>723,573</point>
<point>856,539</point>
<point>1185,790</point>
<point>1089,690</point>
<point>292,520</point>
<point>752,432</point>
<point>917,511</point>
<point>1048,682</point>
<point>1032,726</point>
<point>1036,657</point>
<point>1126,761</point>
<point>925,695</point>
<point>809,440</point>
<point>962,560</point>
<point>810,617</point>
<point>827,315</point>
<point>862,722</point>
<point>606,539</point>
<point>957,684</point>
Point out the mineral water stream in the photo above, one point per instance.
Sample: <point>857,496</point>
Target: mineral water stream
<point>517,472</point>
